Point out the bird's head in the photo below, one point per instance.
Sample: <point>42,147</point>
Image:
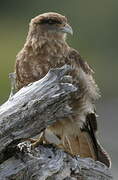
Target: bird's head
<point>50,25</point>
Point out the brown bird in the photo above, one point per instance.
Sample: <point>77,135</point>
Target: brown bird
<point>46,48</point>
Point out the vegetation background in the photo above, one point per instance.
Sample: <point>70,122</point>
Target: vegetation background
<point>95,25</point>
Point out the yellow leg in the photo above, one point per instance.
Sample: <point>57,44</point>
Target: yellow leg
<point>38,141</point>
<point>47,137</point>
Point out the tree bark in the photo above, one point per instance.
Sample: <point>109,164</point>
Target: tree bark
<point>28,113</point>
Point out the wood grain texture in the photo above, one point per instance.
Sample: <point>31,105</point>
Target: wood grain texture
<point>25,115</point>
<point>35,107</point>
<point>48,163</point>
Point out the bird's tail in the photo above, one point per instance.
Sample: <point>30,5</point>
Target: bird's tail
<point>85,147</point>
<point>79,145</point>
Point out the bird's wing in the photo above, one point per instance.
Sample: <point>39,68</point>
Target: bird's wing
<point>88,142</point>
<point>80,62</point>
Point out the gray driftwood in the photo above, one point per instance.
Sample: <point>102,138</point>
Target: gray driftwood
<point>29,112</point>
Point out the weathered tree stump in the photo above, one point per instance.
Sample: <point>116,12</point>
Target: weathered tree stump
<point>29,112</point>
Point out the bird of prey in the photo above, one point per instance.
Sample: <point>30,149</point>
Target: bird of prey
<point>46,48</point>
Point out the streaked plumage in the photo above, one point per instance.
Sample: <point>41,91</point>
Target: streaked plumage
<point>46,48</point>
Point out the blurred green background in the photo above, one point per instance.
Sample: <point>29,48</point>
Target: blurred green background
<point>95,25</point>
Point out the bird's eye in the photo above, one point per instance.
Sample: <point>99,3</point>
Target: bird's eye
<point>50,21</point>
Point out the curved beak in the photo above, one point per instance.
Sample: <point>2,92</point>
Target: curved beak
<point>67,29</point>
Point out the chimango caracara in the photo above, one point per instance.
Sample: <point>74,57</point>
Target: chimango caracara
<point>46,48</point>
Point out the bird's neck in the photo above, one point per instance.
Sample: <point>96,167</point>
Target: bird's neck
<point>52,45</point>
